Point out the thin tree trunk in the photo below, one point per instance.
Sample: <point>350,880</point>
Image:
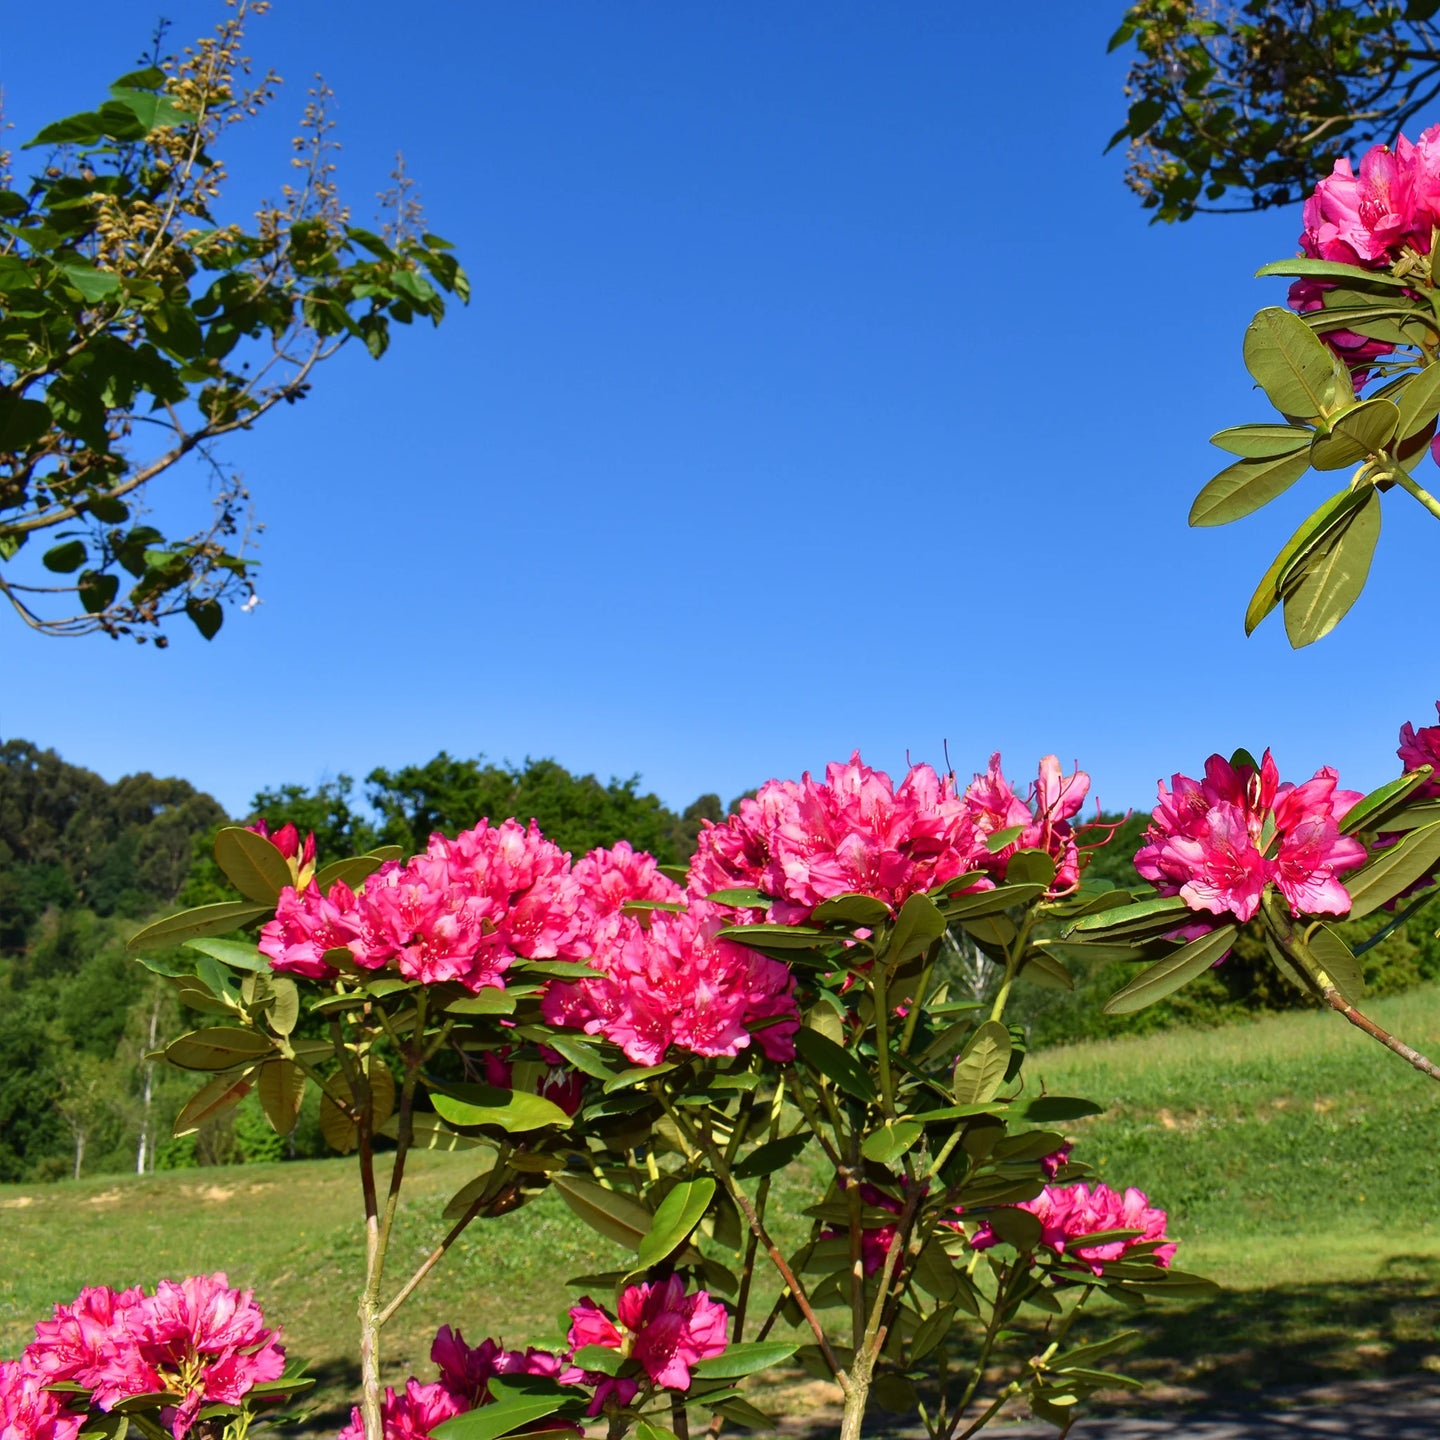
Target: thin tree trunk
<point>146,1149</point>
<point>79,1151</point>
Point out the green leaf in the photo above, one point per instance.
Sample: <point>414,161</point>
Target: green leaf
<point>931,1331</point>
<point>1030,867</point>
<point>581,1055</point>
<point>352,871</point>
<point>917,927</point>
<point>1263,442</point>
<point>1333,955</point>
<point>1168,975</point>
<point>616,1216</point>
<point>83,129</point>
<point>997,840</point>
<point>1143,919</point>
<point>64,558</point>
<point>742,1412</point>
<point>206,615</point>
<point>601,1358</point>
<point>1291,364</point>
<point>237,954</point>
<point>976,904</point>
<point>771,1156</point>
<point>852,910</point>
<point>1419,401</point>
<point>151,110</point>
<point>742,898</point>
<point>489,1001</point>
<point>1330,270</point>
<point>1041,968</point>
<point>212,1098</point>
<point>679,1213</point>
<point>746,1359</point>
<point>252,864</point>
<point>983,1063</point>
<point>1245,486</point>
<point>512,1110</point>
<point>1016,1227</point>
<point>777,937</point>
<point>1268,592</point>
<point>94,285</point>
<point>281,1087</point>
<point>1392,870</point>
<point>1326,581</point>
<point>97,590</point>
<point>835,1063</point>
<point>1055,1109</point>
<point>504,1417</point>
<point>1381,804</point>
<point>221,1047</point>
<point>1357,434</point>
<point>887,1144</point>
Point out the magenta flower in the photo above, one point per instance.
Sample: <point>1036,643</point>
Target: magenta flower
<point>1054,799</point>
<point>300,858</point>
<point>1422,747</point>
<point>658,1325</point>
<point>1221,842</point>
<point>411,1415</point>
<point>875,1240</point>
<point>1067,1213</point>
<point>558,1083</point>
<point>30,1412</point>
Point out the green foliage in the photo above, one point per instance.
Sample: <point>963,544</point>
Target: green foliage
<point>136,331</point>
<point>1238,108</point>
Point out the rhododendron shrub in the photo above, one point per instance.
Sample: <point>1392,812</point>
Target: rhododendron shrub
<point>1348,364</point>
<point>654,1047</point>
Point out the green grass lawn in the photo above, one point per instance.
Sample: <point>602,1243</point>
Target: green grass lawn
<point>1296,1159</point>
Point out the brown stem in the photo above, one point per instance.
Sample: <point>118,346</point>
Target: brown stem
<point>1336,1001</point>
<point>430,1262</point>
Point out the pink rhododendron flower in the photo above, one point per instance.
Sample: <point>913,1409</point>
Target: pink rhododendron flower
<point>463,911</point>
<point>852,833</point>
<point>1219,843</point>
<point>658,1325</point>
<point>875,1240</point>
<point>199,1340</point>
<point>674,981</point>
<point>1422,747</point>
<point>30,1412</point>
<point>1053,800</point>
<point>411,1415</point>
<point>1069,1212</point>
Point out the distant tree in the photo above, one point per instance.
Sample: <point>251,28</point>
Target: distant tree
<point>1240,107</point>
<point>141,322</point>
<point>576,811</point>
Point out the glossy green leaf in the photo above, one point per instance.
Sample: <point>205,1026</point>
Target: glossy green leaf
<point>1331,270</point>
<point>616,1216</point>
<point>982,1065</point>
<point>1419,401</point>
<point>581,1055</point>
<point>887,1144</point>
<point>1166,976</point>
<point>221,1047</point>
<point>746,1359</point>
<point>1319,588</point>
<point>1290,364</point>
<point>1357,434</point>
<point>1379,805</point>
<point>1015,1227</point>
<point>1326,948</point>
<point>252,864</point>
<point>280,1086</point>
<point>512,1110</point>
<point>835,1063</point>
<point>352,871</point>
<point>237,954</point>
<point>777,937</point>
<point>678,1214</point>
<point>1143,919</point>
<point>931,1331</point>
<point>1030,867</point>
<point>489,1001</point>
<point>742,1412</point>
<point>1392,870</point>
<point>852,910</point>
<point>976,903</point>
<point>65,557</point>
<point>504,1417</point>
<point>1043,969</point>
<point>1268,592</point>
<point>1263,442</point>
<point>741,897</point>
<point>935,1271</point>
<point>771,1156</point>
<point>997,840</point>
<point>211,1099</point>
<point>1055,1109</point>
<point>917,927</point>
<point>1244,487</point>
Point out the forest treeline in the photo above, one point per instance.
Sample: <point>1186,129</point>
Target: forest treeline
<point>84,862</point>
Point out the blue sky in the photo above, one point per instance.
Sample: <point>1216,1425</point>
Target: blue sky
<point>823,387</point>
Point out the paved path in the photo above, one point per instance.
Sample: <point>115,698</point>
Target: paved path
<point>1371,1410</point>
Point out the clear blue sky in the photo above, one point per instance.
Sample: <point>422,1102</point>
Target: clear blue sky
<point>823,387</point>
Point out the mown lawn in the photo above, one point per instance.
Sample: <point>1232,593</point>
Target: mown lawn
<point>1296,1159</point>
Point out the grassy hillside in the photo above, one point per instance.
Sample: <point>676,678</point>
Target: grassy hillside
<point>1295,1156</point>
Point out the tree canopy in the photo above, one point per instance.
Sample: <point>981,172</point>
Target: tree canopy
<point>1244,107</point>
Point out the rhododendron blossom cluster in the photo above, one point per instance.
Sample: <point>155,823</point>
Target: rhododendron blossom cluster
<point>1422,747</point>
<point>658,1325</point>
<point>1067,1213</point>
<point>198,1341</point>
<point>856,833</point>
<point>28,1411</point>
<point>1221,841</point>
